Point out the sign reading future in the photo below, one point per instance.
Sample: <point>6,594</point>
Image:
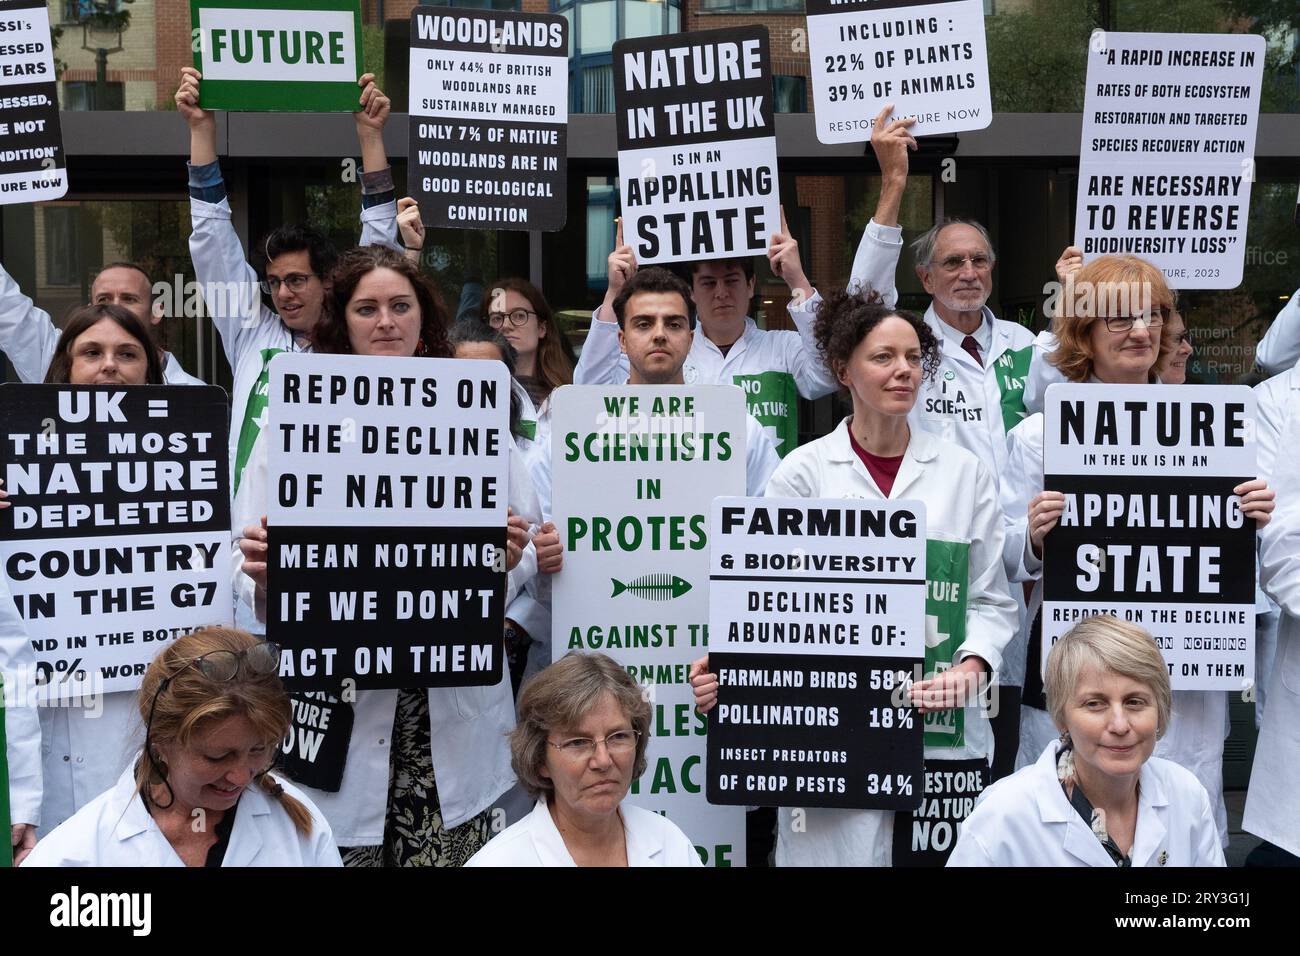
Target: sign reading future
<point>287,56</point>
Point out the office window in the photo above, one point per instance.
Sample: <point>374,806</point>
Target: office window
<point>594,26</point>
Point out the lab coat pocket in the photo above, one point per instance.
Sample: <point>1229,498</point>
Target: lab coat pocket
<point>1288,657</point>
<point>470,701</point>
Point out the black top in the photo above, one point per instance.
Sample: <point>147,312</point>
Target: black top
<point>217,855</point>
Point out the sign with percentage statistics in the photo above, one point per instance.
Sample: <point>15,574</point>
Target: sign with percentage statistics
<point>489,118</point>
<point>118,538</point>
<point>816,629</point>
<point>928,59</point>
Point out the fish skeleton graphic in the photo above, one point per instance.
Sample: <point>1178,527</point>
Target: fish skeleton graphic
<point>653,587</point>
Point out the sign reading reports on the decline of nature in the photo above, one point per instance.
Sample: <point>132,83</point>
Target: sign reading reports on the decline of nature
<point>489,118</point>
<point>386,520</point>
<point>32,164</point>
<point>696,145</point>
<point>1151,531</point>
<point>1167,156</point>
<point>635,471</point>
<point>817,627</point>
<point>281,55</point>
<point>118,538</point>
<point>928,59</point>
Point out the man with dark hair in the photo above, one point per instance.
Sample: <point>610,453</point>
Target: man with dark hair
<point>774,367</point>
<point>298,260</point>
<point>29,337</point>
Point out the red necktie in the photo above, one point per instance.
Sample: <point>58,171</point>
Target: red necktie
<point>973,347</point>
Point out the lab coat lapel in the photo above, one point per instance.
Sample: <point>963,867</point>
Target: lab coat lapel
<point>640,852</point>
<point>547,841</point>
<point>1054,810</point>
<point>1153,813</point>
<point>251,818</point>
<point>922,449</point>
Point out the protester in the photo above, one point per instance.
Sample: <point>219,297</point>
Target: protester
<point>1279,349</point>
<point>882,355</point>
<point>581,740</point>
<point>1112,329</point>
<point>298,259</point>
<point>1173,370</point>
<point>104,345</point>
<point>22,725</point>
<point>545,358</point>
<point>200,793</point>
<point>423,765</point>
<point>1097,796</point>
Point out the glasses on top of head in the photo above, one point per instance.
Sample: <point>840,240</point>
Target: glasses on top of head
<point>1125,323</point>
<point>980,261</point>
<point>296,281</point>
<point>619,743</point>
<point>516,317</point>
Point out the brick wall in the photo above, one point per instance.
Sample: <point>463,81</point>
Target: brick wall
<point>173,45</point>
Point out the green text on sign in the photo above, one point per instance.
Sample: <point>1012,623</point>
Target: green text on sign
<point>278,55</point>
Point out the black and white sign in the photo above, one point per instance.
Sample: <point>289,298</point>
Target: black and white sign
<point>118,538</point>
<point>696,145</point>
<point>32,164</point>
<point>489,118</point>
<point>817,627</point>
<point>387,520</point>
<point>1152,532</point>
<point>1168,152</point>
<point>928,59</point>
<point>315,750</point>
<point>926,836</point>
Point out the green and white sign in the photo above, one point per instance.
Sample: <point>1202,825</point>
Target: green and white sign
<point>280,56</point>
<point>635,470</point>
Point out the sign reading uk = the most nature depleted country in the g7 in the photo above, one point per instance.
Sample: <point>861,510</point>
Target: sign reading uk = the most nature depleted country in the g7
<point>279,55</point>
<point>1152,532</point>
<point>386,523</point>
<point>1167,156</point>
<point>489,118</point>
<point>696,145</point>
<point>928,59</point>
<point>816,629</point>
<point>32,164</point>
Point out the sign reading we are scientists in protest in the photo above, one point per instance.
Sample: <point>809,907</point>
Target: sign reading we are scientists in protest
<point>635,470</point>
<point>386,522</point>
<point>928,59</point>
<point>32,165</point>
<point>1152,532</point>
<point>817,623</point>
<point>1167,156</point>
<point>489,118</point>
<point>279,55</point>
<point>696,144</point>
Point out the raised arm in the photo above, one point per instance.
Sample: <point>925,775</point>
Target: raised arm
<point>876,263</point>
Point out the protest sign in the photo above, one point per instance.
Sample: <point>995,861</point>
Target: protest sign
<point>386,521</point>
<point>286,56</point>
<point>33,167</point>
<point>489,118</point>
<point>696,145</point>
<point>635,470</point>
<point>927,835</point>
<point>315,749</point>
<point>1151,531</point>
<point>928,59</point>
<point>1167,156</point>
<point>118,538</point>
<point>817,623</point>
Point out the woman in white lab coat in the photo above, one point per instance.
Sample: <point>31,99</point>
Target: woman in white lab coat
<point>881,355</point>
<point>584,725</point>
<point>1128,346</point>
<point>423,766</point>
<point>200,793</point>
<point>1097,796</point>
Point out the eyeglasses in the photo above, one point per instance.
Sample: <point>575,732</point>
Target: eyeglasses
<point>1182,338</point>
<point>296,281</point>
<point>619,743</point>
<point>979,261</point>
<point>517,318</point>
<point>220,666</point>
<point>1125,323</point>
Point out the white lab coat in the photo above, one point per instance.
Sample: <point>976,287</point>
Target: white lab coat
<point>22,725</point>
<point>1026,820</point>
<point>652,840</point>
<point>85,745</point>
<point>29,337</point>
<point>961,505</point>
<point>1271,807</point>
<point>116,829</point>
<point>1279,349</point>
<point>233,296</point>
<point>468,725</point>
<point>1194,738</point>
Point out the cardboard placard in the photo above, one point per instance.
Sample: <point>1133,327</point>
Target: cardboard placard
<point>927,835</point>
<point>33,167</point>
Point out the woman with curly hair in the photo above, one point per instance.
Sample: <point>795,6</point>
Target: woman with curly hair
<point>423,765</point>
<point>881,356</point>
